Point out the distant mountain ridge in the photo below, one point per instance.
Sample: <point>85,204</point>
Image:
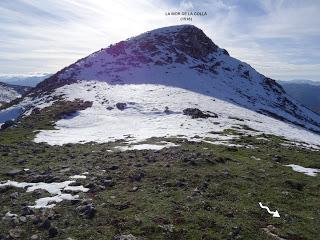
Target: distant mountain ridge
<point>24,80</point>
<point>9,92</point>
<point>300,81</point>
<point>305,91</point>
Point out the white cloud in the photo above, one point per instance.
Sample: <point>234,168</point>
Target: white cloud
<point>186,5</point>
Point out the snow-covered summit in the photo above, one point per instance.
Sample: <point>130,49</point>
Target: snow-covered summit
<point>177,67</point>
<point>183,56</point>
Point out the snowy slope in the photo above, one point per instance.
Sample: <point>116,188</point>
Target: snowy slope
<point>144,116</point>
<point>183,56</point>
<point>176,67</point>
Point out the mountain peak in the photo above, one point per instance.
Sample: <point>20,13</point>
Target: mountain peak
<point>176,59</point>
<point>180,44</point>
<point>185,38</point>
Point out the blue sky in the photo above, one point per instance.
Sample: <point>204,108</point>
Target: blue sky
<point>280,38</point>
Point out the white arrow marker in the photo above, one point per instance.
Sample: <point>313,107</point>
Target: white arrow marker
<point>274,214</point>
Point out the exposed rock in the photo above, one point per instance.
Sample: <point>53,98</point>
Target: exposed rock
<point>271,231</point>
<point>125,237</point>
<point>14,172</point>
<point>46,224</point>
<point>121,106</point>
<point>36,220</point>
<point>107,182</point>
<point>14,195</point>
<point>197,113</point>
<point>26,211</point>
<point>136,176</point>
<point>180,183</point>
<point>53,231</point>
<point>234,234</point>
<point>277,158</point>
<point>46,177</point>
<point>10,217</point>
<point>7,124</point>
<point>114,167</point>
<point>21,161</point>
<point>166,110</point>
<point>15,233</point>
<point>34,237</point>
<point>23,219</point>
<point>167,227</point>
<point>87,211</point>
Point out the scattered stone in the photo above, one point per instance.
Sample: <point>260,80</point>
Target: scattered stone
<point>53,231</point>
<point>107,182</point>
<point>277,158</point>
<point>21,161</point>
<point>167,227</point>
<point>46,224</point>
<point>166,110</point>
<point>15,233</point>
<point>90,185</point>
<point>46,177</point>
<point>138,165</point>
<point>74,184</point>
<point>10,216</point>
<point>125,237</point>
<point>23,219</point>
<point>271,231</point>
<point>15,172</point>
<point>234,234</point>
<point>75,201</point>
<point>64,170</point>
<point>36,220</point>
<point>26,211</point>
<point>136,177</point>
<point>34,237</point>
<point>87,211</point>
<point>114,167</point>
<point>121,106</point>
<point>14,195</point>
<point>180,184</point>
<point>109,108</point>
<point>7,124</point>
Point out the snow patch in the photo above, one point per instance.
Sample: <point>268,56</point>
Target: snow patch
<point>78,176</point>
<point>147,146</point>
<point>308,171</point>
<point>145,116</point>
<point>56,189</point>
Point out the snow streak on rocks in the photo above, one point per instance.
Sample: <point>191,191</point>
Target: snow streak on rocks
<point>56,189</point>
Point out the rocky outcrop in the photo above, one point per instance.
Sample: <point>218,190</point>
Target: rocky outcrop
<point>197,113</point>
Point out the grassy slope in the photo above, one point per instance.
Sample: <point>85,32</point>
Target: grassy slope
<point>230,184</point>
